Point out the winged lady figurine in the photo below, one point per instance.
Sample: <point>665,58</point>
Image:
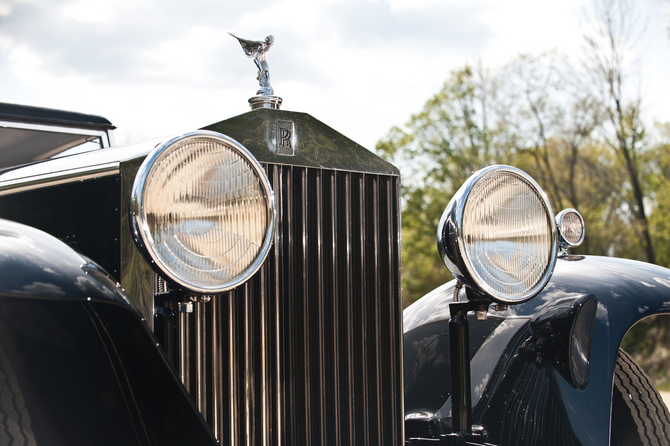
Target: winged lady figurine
<point>257,50</point>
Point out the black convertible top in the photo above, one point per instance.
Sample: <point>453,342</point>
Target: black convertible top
<point>29,134</point>
<point>50,116</point>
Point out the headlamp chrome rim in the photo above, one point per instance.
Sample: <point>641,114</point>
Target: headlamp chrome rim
<point>563,240</point>
<point>140,228</point>
<point>452,247</point>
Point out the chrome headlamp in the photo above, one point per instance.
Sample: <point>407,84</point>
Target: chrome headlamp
<point>498,235</point>
<point>571,232</point>
<point>202,209</point>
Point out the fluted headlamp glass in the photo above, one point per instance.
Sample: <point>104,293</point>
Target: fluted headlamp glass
<point>203,211</point>
<point>570,225</point>
<point>498,235</point>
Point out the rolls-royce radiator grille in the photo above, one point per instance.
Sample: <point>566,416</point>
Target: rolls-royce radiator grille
<point>308,352</point>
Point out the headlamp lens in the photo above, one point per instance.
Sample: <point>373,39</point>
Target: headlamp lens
<point>570,227</point>
<point>205,211</point>
<point>507,236</point>
<point>498,235</point>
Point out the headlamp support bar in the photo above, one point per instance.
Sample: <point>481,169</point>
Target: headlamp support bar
<point>461,402</point>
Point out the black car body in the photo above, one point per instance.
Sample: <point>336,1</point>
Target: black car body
<point>520,394</point>
<point>309,348</point>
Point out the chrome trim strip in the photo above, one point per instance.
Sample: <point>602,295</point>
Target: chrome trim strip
<point>52,128</point>
<point>217,385</point>
<point>376,303</point>
<point>289,351</point>
<point>184,345</point>
<point>306,302</point>
<point>232,376</point>
<point>248,367</point>
<point>336,313</point>
<point>321,303</point>
<point>109,140</point>
<point>364,298</point>
<point>349,300</point>
<point>200,359</point>
<point>279,230</point>
<point>84,166</point>
<point>265,357</point>
<point>396,313</point>
<point>56,178</point>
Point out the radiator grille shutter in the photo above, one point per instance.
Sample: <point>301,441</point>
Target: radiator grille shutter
<point>309,350</point>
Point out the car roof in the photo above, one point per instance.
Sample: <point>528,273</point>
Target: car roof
<point>50,116</point>
<point>29,133</point>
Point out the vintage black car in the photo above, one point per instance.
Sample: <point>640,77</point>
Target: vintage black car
<point>263,253</point>
<point>241,284</point>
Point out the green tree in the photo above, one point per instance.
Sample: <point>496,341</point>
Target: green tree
<point>578,131</point>
<point>438,149</point>
<point>659,184</point>
<point>525,115</point>
<point>555,125</point>
<point>610,62</point>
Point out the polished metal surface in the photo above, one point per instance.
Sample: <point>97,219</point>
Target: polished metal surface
<point>136,275</point>
<point>51,128</point>
<point>257,49</point>
<point>207,272</point>
<point>13,186</point>
<point>160,285</point>
<point>201,363</point>
<point>316,144</point>
<point>285,138</point>
<point>69,169</point>
<point>307,351</point>
<point>567,241</point>
<point>466,264</point>
<point>184,343</point>
<point>256,102</point>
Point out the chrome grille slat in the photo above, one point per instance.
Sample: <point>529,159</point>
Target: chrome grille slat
<point>360,365</point>
<point>279,395</point>
<point>312,354</point>
<point>200,358</point>
<point>332,272</point>
<point>232,377</point>
<point>348,314</point>
<point>217,364</point>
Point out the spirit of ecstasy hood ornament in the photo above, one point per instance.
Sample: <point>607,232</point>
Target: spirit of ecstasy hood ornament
<point>265,97</point>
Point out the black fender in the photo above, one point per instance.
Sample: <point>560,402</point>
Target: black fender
<point>78,365</point>
<point>521,395</point>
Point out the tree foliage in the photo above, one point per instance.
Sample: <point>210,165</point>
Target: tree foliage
<point>438,149</point>
<point>610,64</point>
<point>577,128</point>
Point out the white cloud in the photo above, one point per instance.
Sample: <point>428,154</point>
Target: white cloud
<point>7,6</point>
<point>26,65</point>
<point>90,11</point>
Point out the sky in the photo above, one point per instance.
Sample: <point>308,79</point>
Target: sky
<point>162,67</point>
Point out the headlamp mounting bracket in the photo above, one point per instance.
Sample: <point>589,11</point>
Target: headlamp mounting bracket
<point>459,343</point>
